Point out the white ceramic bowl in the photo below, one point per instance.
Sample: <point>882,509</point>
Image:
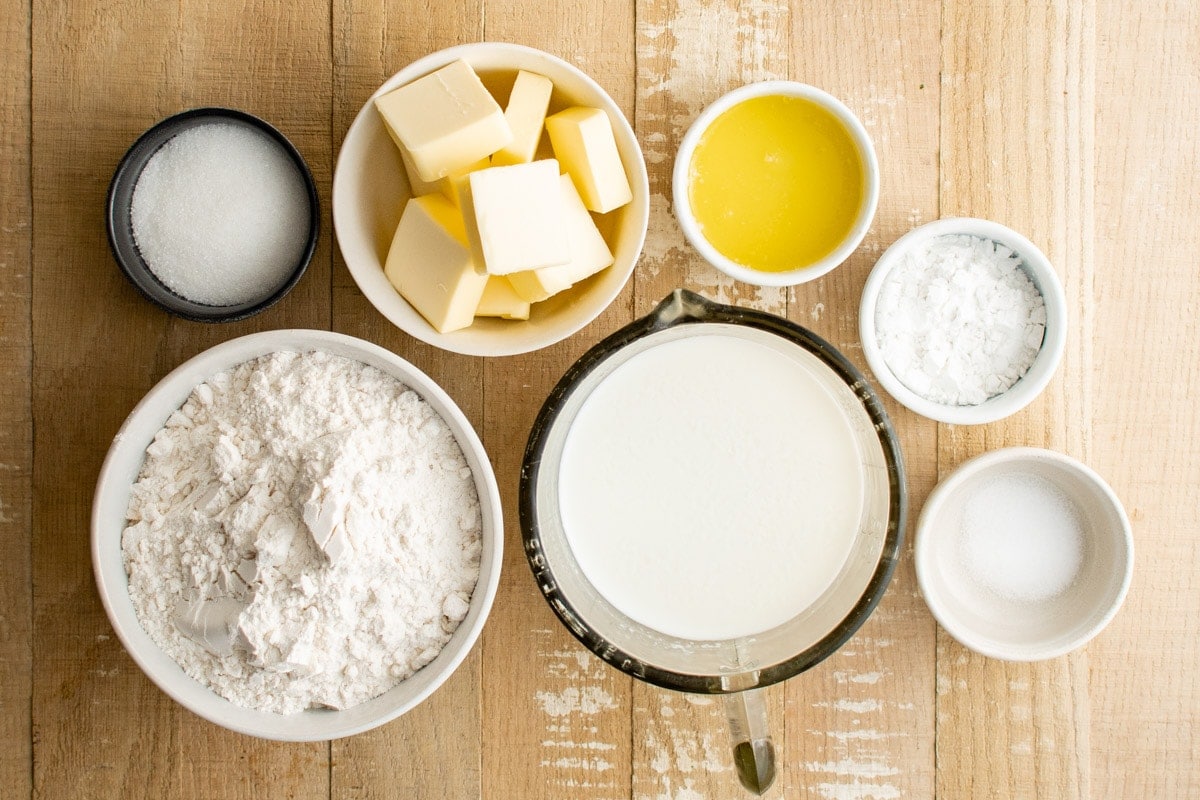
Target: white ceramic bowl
<point>121,469</point>
<point>1024,630</point>
<point>681,178</point>
<point>370,189</point>
<point>1040,271</point>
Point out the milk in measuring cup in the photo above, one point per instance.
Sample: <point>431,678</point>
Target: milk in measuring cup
<point>711,486</point>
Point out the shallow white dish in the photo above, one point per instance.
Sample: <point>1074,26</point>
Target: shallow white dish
<point>370,189</point>
<point>1040,271</point>
<point>681,180</point>
<point>1011,629</point>
<point>111,500</point>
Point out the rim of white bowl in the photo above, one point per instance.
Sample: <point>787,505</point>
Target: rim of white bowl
<point>680,178</point>
<point>1045,364</point>
<point>365,269</point>
<point>112,582</point>
<point>923,552</point>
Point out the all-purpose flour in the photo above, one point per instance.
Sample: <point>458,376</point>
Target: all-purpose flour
<point>305,533</point>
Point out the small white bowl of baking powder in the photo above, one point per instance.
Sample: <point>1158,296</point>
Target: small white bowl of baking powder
<point>1024,554</point>
<point>963,321</point>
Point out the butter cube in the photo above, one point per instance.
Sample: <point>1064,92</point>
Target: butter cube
<point>415,183</point>
<point>589,252</point>
<point>499,300</point>
<point>446,121</point>
<point>430,264</point>
<point>526,116</point>
<point>454,185</point>
<point>583,141</point>
<point>515,218</point>
<point>444,185</point>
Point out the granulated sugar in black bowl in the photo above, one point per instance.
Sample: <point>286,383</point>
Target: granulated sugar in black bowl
<point>213,215</point>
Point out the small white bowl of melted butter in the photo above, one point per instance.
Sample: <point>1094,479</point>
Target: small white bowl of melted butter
<point>497,233</point>
<point>776,183</point>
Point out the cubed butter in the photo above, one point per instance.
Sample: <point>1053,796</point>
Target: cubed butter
<point>583,142</point>
<point>515,217</point>
<point>415,183</point>
<point>430,264</point>
<point>455,184</point>
<point>500,300</point>
<point>526,116</point>
<point>589,252</point>
<point>446,121</point>
<point>444,185</point>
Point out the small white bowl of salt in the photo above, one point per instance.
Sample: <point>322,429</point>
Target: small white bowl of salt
<point>963,321</point>
<point>1023,554</point>
<point>213,215</point>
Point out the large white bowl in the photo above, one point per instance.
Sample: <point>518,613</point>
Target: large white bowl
<point>1041,273</point>
<point>370,189</point>
<point>121,469</point>
<point>1005,628</point>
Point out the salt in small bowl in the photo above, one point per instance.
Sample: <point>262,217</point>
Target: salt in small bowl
<point>1039,621</point>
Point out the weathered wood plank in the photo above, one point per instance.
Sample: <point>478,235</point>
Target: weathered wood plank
<point>862,724</point>
<point>1144,670</point>
<point>555,718</point>
<point>1017,148</point>
<point>16,434</point>
<point>434,750</point>
<point>102,72</point>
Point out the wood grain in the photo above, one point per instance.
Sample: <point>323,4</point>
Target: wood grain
<point>433,751</point>
<point>558,725</point>
<point>862,723</point>
<point>1029,177</point>
<point>1144,670</point>
<point>682,745</point>
<point>1072,122</point>
<point>92,370</point>
<point>16,439</point>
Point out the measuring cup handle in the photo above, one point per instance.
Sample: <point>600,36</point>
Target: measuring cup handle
<point>753,751</point>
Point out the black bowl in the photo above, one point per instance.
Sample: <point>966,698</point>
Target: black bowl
<point>120,230</point>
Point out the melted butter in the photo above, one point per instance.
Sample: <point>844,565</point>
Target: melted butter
<point>776,183</point>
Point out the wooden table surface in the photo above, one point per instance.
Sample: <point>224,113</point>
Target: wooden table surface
<point>1074,123</point>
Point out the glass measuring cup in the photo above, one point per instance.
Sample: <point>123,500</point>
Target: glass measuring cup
<point>737,668</point>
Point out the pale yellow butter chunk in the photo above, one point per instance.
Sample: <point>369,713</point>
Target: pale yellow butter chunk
<point>444,185</point>
<point>430,264</point>
<point>589,253</point>
<point>446,121</point>
<point>454,185</point>
<point>499,300</point>
<point>515,218</point>
<point>415,183</point>
<point>526,115</point>
<point>583,141</point>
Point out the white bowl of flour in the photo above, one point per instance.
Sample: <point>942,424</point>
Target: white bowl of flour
<point>297,535</point>
<point>963,321</point>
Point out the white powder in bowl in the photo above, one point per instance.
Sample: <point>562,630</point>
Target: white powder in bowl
<point>958,320</point>
<point>305,532</point>
<point>220,214</point>
<point>1022,538</point>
